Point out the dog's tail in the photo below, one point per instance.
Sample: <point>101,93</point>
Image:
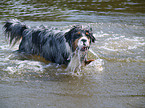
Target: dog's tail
<point>14,30</point>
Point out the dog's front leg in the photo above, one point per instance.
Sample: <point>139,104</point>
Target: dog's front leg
<point>88,61</point>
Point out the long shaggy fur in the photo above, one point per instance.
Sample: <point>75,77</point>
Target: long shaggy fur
<point>53,45</point>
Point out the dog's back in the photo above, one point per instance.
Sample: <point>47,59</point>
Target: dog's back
<point>44,42</point>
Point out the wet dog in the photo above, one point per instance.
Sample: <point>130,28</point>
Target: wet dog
<point>69,48</point>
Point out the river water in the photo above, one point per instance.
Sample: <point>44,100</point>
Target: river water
<point>116,79</point>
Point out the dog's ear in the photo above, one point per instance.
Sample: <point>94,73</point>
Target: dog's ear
<point>93,39</point>
<point>90,29</point>
<point>70,32</point>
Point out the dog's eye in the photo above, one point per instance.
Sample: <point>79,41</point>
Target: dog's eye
<point>87,33</point>
<point>79,33</point>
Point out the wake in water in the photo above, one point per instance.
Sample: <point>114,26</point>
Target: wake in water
<point>18,63</point>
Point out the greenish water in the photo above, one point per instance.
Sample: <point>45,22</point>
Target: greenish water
<point>116,79</point>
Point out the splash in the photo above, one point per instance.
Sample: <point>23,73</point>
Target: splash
<point>75,61</point>
<point>76,67</point>
<point>24,66</point>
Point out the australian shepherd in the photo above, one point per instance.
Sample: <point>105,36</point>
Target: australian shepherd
<point>69,48</point>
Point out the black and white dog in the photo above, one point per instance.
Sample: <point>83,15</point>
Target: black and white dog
<point>69,48</point>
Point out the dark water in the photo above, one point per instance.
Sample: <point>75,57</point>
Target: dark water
<point>116,79</point>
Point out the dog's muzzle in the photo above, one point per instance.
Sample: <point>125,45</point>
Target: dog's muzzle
<point>83,44</point>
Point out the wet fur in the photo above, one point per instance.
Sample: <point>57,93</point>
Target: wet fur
<point>54,45</point>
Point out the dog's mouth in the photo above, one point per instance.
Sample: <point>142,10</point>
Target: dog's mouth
<point>84,48</point>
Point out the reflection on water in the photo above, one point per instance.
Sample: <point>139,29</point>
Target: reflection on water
<point>116,79</point>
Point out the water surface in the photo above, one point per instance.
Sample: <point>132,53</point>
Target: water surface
<point>116,79</point>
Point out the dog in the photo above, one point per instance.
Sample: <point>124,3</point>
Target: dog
<point>61,47</point>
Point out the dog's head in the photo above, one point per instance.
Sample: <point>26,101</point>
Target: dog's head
<point>79,38</point>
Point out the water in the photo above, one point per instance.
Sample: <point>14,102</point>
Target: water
<point>116,79</point>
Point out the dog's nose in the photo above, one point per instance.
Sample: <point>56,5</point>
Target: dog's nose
<point>84,40</point>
